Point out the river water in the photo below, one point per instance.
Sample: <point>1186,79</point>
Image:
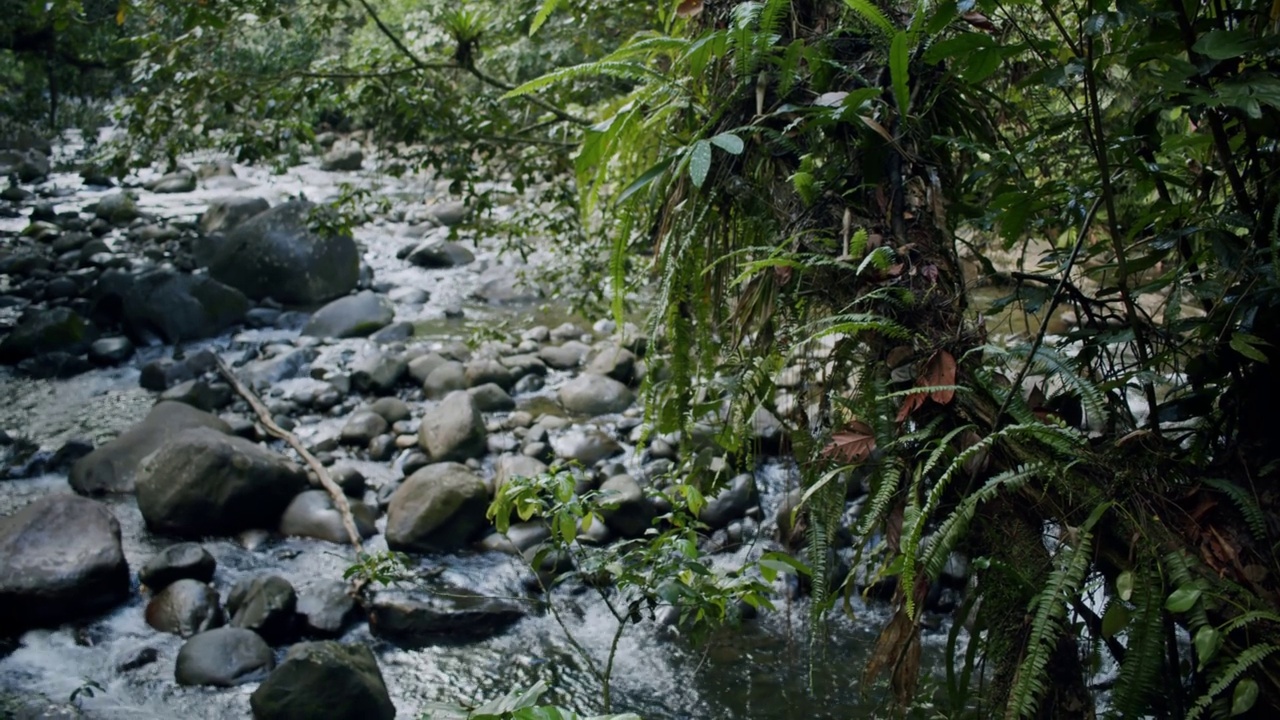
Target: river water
<point>765,668</point>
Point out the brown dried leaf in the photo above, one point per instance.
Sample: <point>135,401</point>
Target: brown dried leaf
<point>689,8</point>
<point>909,405</point>
<point>941,370</point>
<point>980,21</point>
<point>852,444</point>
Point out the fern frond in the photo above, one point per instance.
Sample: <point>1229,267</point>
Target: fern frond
<point>953,528</point>
<point>648,47</point>
<point>882,493</point>
<point>1245,502</point>
<point>1142,668</point>
<point>871,14</point>
<point>1247,658</point>
<point>624,70</point>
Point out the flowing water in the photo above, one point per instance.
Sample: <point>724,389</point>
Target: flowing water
<point>765,668</point>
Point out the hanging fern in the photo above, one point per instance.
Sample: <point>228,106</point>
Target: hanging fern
<point>1245,502</point>
<point>1141,671</point>
<point>1247,658</point>
<point>954,527</point>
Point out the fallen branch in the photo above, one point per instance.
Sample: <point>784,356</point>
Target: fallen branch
<point>264,415</point>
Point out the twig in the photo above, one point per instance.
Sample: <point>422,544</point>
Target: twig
<point>264,415</point>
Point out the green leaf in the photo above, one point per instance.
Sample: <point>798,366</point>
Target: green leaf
<point>1182,599</point>
<point>872,14</point>
<point>1124,585</point>
<point>1207,642</point>
<point>1247,345</point>
<point>1114,620</point>
<point>544,12</point>
<point>1223,44</point>
<point>898,61</point>
<point>1245,695</point>
<point>699,162</point>
<point>647,177</point>
<point>729,143</point>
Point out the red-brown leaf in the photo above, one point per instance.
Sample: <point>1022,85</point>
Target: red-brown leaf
<point>940,370</point>
<point>689,8</point>
<point>852,444</point>
<point>909,405</point>
<point>980,21</point>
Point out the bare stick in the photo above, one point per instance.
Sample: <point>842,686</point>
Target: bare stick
<point>264,415</point>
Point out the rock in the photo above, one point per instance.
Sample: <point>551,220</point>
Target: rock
<point>630,513</point>
<point>378,371</point>
<point>352,316</point>
<point>363,427</point>
<point>453,430</point>
<point>161,374</point>
<point>564,357</point>
<point>593,395</point>
<point>117,209</point>
<point>276,254</point>
<point>344,156</point>
<point>491,398</point>
<point>350,479</point>
<point>183,561</point>
<point>28,165</point>
<point>587,446</point>
<point>502,286</point>
<point>225,213</point>
<point>137,658</point>
<point>223,657</point>
<point>393,333</point>
<point>260,374</point>
<point>510,466</point>
<point>420,618</point>
<point>203,482</point>
<point>449,213</point>
<point>185,608</point>
<point>392,409</point>
<point>312,514</point>
<point>409,296</point>
<point>440,254</point>
<point>113,468</point>
<point>326,608</point>
<point>731,503</point>
<point>265,605</point>
<point>110,351</point>
<point>768,434</point>
<point>60,559</point>
<point>199,394</point>
<point>481,371</point>
<point>445,379</point>
<point>615,362</point>
<point>324,680</point>
<point>420,368</point>
<point>40,332</point>
<point>179,181</point>
<point>440,507</point>
<point>169,305</point>
<point>567,331</point>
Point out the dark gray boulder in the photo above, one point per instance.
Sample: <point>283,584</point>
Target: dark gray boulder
<point>185,608</point>
<point>179,181</point>
<point>444,379</point>
<point>39,332</point>
<point>344,156</point>
<point>173,306</point>
<point>181,561</point>
<point>312,514</point>
<point>440,254</point>
<point>324,680</point>
<point>440,507</point>
<point>60,559</point>
<point>113,468</point>
<point>731,503</point>
<point>203,482</point>
<point>420,617</point>
<point>352,316</point>
<point>277,254</point>
<point>587,446</point>
<point>224,657</point>
<point>266,605</point>
<point>225,213</point>
<point>592,395</point>
<point>326,607</point>
<point>628,512</point>
<point>453,430</point>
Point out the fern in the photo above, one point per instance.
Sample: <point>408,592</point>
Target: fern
<point>1247,658</point>
<point>1050,608</point>
<point>1141,669</point>
<point>872,14</point>
<point>1245,502</point>
<point>623,70</point>
<point>954,527</point>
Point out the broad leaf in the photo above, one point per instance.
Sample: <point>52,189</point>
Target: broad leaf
<point>699,162</point>
<point>898,61</point>
<point>1114,620</point>
<point>1223,44</point>
<point>853,444</point>
<point>1245,695</point>
<point>729,143</point>
<point>1124,585</point>
<point>1207,642</point>
<point>1182,599</point>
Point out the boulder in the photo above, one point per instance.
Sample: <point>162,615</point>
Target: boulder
<point>453,430</point>
<point>449,213</point>
<point>39,332</point>
<point>444,379</point>
<point>170,305</point>
<point>203,482</point>
<point>731,503</point>
<point>110,350</point>
<point>483,371</point>
<point>629,512</point>
<point>502,286</point>
<point>60,559</point>
<point>491,398</point>
<point>224,214</point>
<point>113,468</point>
<point>186,560</point>
<point>326,608</point>
<point>440,254</point>
<point>178,181</point>
<point>352,316</point>
<point>312,514</point>
<point>324,680</point>
<point>266,605</point>
<point>185,608</point>
<point>440,507</point>
<point>277,254</point>
<point>391,409</point>
<point>118,208</point>
<point>510,466</point>
<point>418,618</point>
<point>378,371</point>
<point>362,427</point>
<point>591,395</point>
<point>564,357</point>
<point>345,156</point>
<point>616,362</point>
<point>223,657</point>
<point>587,446</point>
<point>28,165</point>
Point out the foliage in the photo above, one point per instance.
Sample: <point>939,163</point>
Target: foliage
<point>519,704</point>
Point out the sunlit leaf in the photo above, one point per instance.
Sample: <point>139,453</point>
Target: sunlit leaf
<point>699,162</point>
<point>1124,585</point>
<point>1182,599</point>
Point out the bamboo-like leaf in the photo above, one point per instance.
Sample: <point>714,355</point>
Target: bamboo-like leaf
<point>899,58</point>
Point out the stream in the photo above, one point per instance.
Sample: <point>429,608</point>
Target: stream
<point>765,668</point>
